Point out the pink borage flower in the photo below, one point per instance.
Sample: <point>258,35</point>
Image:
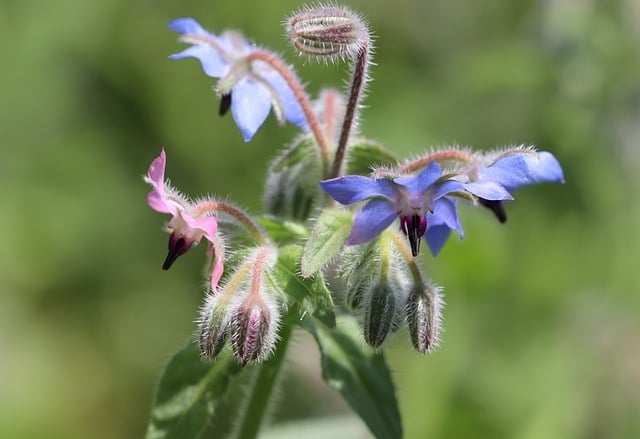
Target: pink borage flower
<point>188,224</point>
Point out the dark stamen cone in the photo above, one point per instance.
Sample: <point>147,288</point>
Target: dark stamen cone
<point>496,207</point>
<point>177,247</point>
<point>225,104</point>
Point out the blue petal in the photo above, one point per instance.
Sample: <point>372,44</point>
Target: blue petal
<point>353,188</point>
<point>250,106</point>
<point>446,187</point>
<point>514,171</point>
<point>420,183</point>
<point>291,107</point>
<point>212,63</point>
<point>489,190</point>
<point>187,26</point>
<point>374,217</point>
<point>440,223</point>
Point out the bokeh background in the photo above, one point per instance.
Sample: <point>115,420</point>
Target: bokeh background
<point>542,324</point>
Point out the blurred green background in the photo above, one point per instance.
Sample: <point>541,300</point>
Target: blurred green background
<point>542,326</point>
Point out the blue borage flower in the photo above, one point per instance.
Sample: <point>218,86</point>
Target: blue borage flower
<point>425,203</point>
<point>490,179</point>
<point>251,88</point>
<point>416,200</point>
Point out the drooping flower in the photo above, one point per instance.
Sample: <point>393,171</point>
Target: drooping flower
<point>249,88</point>
<point>412,199</point>
<point>491,179</point>
<point>187,227</point>
<point>510,170</point>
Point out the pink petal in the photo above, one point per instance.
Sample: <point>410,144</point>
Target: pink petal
<point>155,175</point>
<point>156,170</point>
<point>208,226</point>
<point>157,203</point>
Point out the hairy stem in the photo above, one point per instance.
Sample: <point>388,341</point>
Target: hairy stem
<point>264,381</point>
<point>238,214</point>
<point>357,82</point>
<point>437,156</point>
<point>301,97</point>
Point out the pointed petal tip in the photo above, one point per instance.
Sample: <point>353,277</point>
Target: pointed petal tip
<point>186,25</point>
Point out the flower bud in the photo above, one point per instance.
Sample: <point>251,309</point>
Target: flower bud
<point>423,317</point>
<point>378,284</point>
<point>379,316</point>
<point>327,32</point>
<point>292,187</point>
<point>254,327</point>
<point>213,327</point>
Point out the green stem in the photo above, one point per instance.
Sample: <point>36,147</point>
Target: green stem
<point>254,411</point>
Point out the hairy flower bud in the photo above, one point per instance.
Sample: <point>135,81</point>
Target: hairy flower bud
<point>292,187</point>
<point>245,310</point>
<point>327,32</point>
<point>378,284</point>
<point>213,327</point>
<point>423,317</point>
<point>253,326</point>
<point>379,316</point>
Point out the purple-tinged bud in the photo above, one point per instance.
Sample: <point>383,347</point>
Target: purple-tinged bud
<point>253,330</point>
<point>327,32</point>
<point>423,317</point>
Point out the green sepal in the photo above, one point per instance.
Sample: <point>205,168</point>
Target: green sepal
<point>188,393</point>
<point>329,234</point>
<point>359,374</point>
<point>292,185</point>
<point>310,293</point>
<point>363,155</point>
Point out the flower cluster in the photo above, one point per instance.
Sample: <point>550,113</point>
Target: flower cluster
<point>426,203</point>
<point>281,262</point>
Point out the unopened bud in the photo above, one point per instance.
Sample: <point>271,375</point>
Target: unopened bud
<point>379,316</point>
<point>213,327</point>
<point>253,327</point>
<point>423,318</point>
<point>327,31</point>
<point>292,189</point>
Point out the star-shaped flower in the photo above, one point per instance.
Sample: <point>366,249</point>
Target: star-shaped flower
<point>413,199</point>
<point>187,226</point>
<point>249,88</point>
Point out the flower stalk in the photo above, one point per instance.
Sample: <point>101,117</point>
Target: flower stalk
<point>300,95</point>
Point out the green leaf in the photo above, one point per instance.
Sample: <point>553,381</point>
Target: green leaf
<point>310,293</point>
<point>365,154</point>
<point>283,230</point>
<point>188,393</point>
<point>360,375</point>
<point>329,234</point>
